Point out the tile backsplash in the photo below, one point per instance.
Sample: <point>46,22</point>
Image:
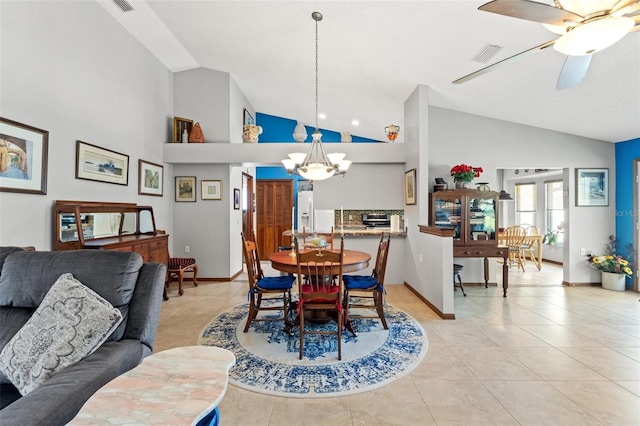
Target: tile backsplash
<point>354,217</point>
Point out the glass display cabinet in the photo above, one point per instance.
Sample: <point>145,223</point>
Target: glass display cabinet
<point>472,214</point>
<point>108,226</point>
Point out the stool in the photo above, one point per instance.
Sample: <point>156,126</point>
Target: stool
<point>456,273</point>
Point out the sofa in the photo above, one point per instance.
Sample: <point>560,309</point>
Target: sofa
<point>121,278</point>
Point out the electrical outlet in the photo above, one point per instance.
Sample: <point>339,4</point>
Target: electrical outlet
<point>186,249</point>
<point>583,252</point>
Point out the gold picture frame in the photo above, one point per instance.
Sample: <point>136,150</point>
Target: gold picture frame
<point>410,187</point>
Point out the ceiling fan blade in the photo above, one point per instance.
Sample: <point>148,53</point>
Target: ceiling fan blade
<point>573,71</point>
<point>531,11</point>
<point>624,6</point>
<point>503,62</point>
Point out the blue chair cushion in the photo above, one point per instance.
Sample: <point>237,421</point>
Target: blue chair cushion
<point>354,282</point>
<point>276,282</point>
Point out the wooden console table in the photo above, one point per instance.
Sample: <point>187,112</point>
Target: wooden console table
<point>178,386</point>
<point>486,253</point>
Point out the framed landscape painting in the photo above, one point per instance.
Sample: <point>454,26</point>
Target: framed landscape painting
<point>410,187</point>
<point>150,178</point>
<point>101,165</point>
<point>592,187</point>
<point>23,158</point>
<point>186,189</point>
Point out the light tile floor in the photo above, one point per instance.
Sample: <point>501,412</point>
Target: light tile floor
<point>543,355</point>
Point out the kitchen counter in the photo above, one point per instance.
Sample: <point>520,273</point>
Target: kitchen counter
<point>356,232</point>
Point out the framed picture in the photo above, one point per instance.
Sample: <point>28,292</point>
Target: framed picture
<point>247,118</point>
<point>211,189</point>
<point>410,187</point>
<point>592,187</point>
<point>186,189</point>
<point>236,199</point>
<point>23,158</point>
<point>100,164</point>
<point>179,126</point>
<point>150,178</point>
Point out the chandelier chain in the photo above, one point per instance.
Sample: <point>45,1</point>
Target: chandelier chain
<point>316,74</point>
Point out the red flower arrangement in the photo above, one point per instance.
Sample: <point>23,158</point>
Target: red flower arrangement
<point>465,173</point>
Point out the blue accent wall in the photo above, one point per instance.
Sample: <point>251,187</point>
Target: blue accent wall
<point>278,129</point>
<point>626,153</point>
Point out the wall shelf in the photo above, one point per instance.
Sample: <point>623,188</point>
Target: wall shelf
<point>269,154</point>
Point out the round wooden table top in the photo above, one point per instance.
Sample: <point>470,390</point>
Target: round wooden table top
<point>353,261</point>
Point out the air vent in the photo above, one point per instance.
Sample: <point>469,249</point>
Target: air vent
<point>124,5</point>
<point>487,52</point>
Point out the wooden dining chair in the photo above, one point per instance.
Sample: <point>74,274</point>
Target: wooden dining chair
<point>265,289</point>
<point>528,245</point>
<point>322,293</point>
<point>513,239</point>
<point>368,289</point>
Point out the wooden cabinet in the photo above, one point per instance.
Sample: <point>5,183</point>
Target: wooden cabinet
<point>472,214</point>
<point>108,226</point>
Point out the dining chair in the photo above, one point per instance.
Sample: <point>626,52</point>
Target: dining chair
<point>514,238</point>
<point>263,290</point>
<point>368,288</point>
<point>529,244</point>
<point>321,295</point>
<point>177,267</point>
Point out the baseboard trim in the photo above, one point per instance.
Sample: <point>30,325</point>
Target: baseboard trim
<point>429,304</point>
<point>555,262</point>
<point>209,279</point>
<point>568,284</point>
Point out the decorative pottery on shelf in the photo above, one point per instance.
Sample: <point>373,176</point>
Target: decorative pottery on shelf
<point>460,184</point>
<point>300,133</point>
<point>392,132</point>
<point>612,281</point>
<point>483,186</point>
<point>250,133</point>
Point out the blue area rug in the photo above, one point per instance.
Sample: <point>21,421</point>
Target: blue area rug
<point>267,357</point>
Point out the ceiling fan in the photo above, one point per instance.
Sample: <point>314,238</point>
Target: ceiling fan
<point>584,26</point>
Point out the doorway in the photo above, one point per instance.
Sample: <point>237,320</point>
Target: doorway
<point>248,205</point>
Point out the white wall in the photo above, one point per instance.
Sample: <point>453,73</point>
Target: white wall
<point>81,79</point>
<point>203,95</point>
<point>456,137</point>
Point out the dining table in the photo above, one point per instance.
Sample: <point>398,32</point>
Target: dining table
<point>286,261</point>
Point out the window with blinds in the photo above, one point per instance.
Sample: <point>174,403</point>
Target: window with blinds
<point>554,209</point>
<point>526,204</point>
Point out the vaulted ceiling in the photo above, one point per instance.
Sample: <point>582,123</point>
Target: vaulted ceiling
<point>372,55</point>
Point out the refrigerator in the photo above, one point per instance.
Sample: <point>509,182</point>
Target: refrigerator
<point>305,211</point>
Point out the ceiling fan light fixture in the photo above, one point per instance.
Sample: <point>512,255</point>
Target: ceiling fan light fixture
<point>593,36</point>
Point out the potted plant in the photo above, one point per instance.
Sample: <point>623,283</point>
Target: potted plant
<point>614,267</point>
<point>551,237</point>
<point>463,174</point>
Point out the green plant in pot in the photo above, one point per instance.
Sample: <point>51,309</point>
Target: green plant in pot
<point>551,237</point>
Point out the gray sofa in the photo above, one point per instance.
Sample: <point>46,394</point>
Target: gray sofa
<point>121,278</point>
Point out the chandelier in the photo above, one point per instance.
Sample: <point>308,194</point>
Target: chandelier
<point>316,164</point>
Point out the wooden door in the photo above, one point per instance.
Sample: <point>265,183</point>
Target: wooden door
<point>274,202</point>
<point>247,205</point>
